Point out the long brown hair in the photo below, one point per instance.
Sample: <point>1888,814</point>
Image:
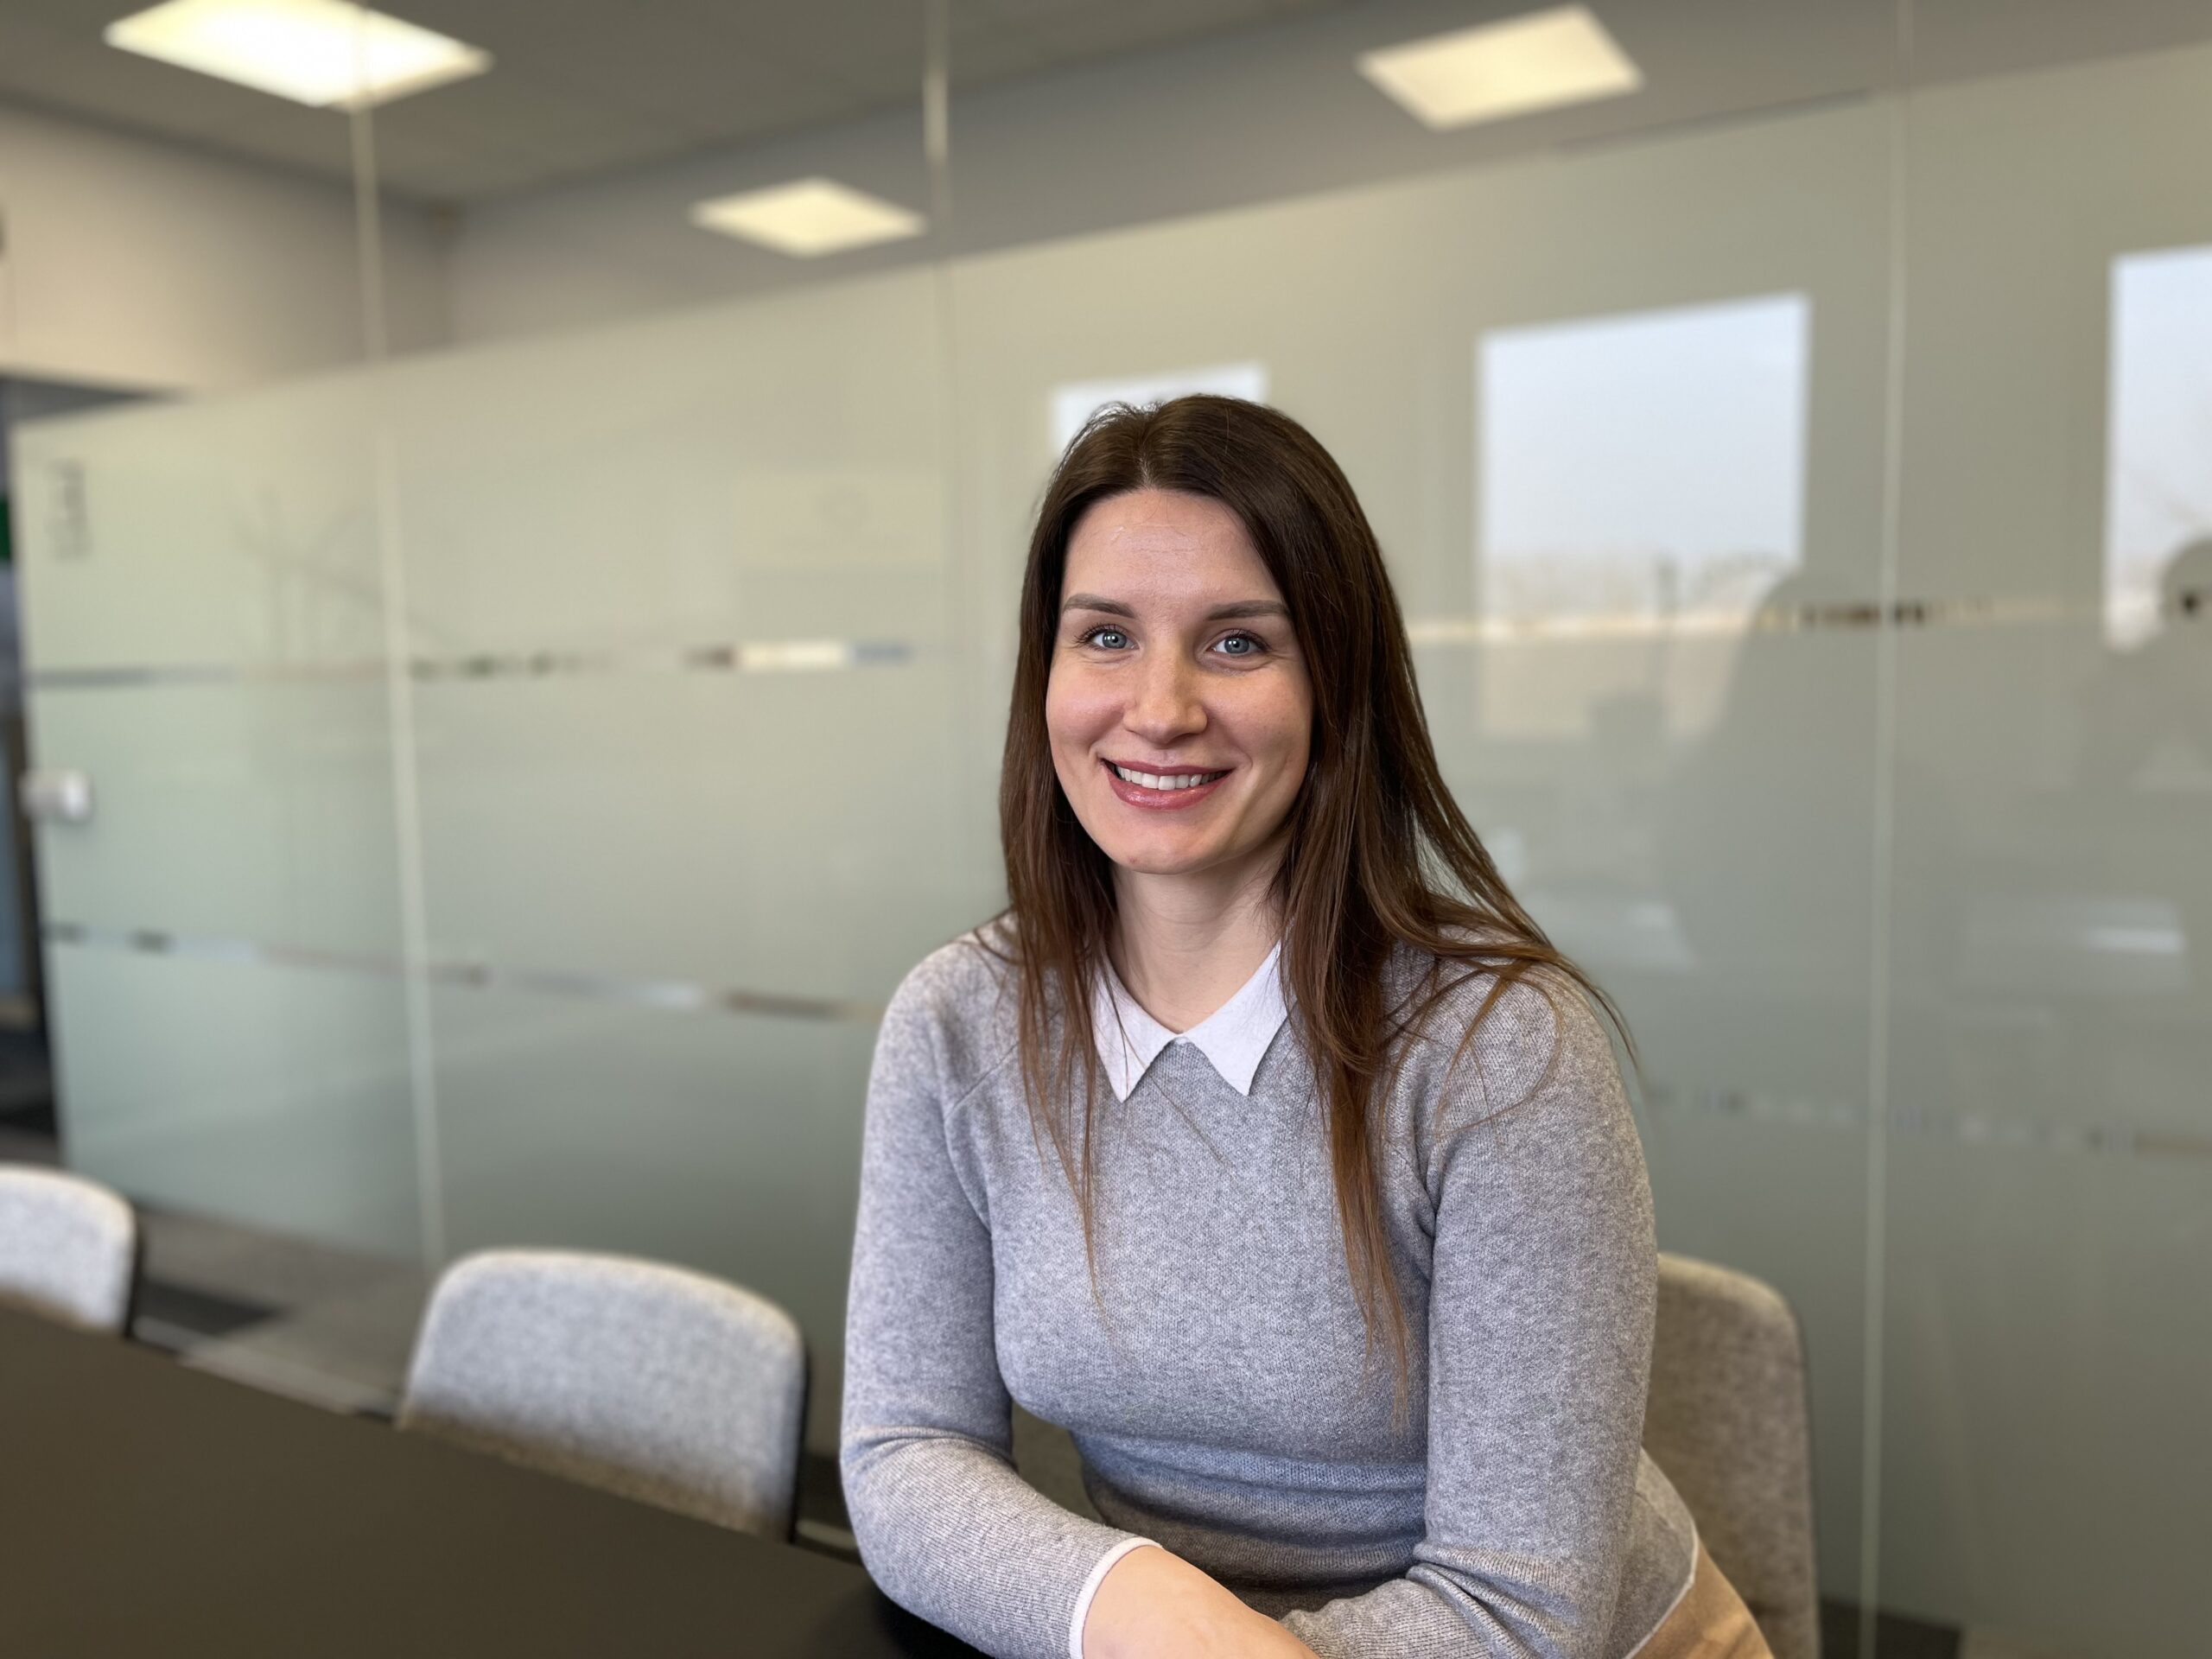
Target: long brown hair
<point>1377,855</point>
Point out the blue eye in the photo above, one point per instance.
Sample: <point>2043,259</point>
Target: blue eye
<point>1107,637</point>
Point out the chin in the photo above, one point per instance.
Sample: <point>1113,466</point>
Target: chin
<point>1152,859</point>
<point>1150,863</point>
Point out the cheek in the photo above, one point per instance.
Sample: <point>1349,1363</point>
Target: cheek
<point>1285,726</point>
<point>1076,712</point>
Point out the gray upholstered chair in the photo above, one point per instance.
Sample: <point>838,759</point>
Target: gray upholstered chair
<point>68,1248</point>
<point>659,1383</point>
<point>1727,1423</point>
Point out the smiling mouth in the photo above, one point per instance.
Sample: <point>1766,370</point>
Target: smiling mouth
<point>1163,780</point>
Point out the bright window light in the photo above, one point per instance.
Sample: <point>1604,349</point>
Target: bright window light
<point>1495,70</point>
<point>2158,425</point>
<point>327,53</point>
<point>808,218</point>
<point>1694,418</point>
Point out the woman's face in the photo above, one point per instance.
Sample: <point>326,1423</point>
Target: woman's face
<point>1179,707</point>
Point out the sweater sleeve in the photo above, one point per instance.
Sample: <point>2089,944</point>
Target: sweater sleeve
<point>1541,1306</point>
<point>945,1526</point>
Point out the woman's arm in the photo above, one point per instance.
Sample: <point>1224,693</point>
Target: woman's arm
<point>1541,1304</point>
<point>946,1525</point>
<point>1154,1605</point>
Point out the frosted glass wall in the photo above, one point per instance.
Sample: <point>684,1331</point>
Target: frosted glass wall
<point>523,772</point>
<point>204,642</point>
<point>686,703</point>
<point>2047,1333</point>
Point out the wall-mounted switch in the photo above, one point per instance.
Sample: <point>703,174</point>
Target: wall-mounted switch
<point>56,797</point>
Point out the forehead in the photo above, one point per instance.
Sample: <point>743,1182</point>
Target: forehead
<point>1165,545</point>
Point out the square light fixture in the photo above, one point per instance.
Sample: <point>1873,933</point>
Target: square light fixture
<point>331,54</point>
<point>809,218</point>
<point>1516,66</point>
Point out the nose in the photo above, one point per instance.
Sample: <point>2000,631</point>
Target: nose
<point>1165,705</point>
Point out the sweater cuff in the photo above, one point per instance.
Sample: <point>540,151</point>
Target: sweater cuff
<point>1091,1588</point>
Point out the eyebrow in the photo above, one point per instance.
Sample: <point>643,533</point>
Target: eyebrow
<point>1242,607</point>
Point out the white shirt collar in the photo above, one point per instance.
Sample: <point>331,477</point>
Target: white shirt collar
<point>1234,1037</point>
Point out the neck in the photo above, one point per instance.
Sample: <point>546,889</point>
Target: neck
<point>1184,944</point>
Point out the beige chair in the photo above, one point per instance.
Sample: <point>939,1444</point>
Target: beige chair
<point>68,1248</point>
<point>659,1383</point>
<point>1727,1423</point>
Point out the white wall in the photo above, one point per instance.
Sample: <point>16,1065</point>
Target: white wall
<point>132,262</point>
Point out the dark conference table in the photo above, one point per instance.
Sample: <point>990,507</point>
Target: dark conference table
<point>146,1508</point>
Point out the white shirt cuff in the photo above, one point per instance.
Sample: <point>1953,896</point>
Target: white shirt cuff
<point>1091,1588</point>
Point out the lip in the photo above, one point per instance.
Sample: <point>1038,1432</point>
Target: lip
<point>1159,800</point>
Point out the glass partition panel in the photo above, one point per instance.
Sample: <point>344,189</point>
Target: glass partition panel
<point>675,696</point>
<point>683,705</point>
<point>218,799</point>
<point>2048,1343</point>
<point>204,658</point>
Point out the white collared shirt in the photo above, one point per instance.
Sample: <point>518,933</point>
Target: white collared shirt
<point>1234,1037</point>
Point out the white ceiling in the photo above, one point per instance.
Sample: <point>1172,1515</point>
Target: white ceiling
<point>582,86</point>
<point>586,88</point>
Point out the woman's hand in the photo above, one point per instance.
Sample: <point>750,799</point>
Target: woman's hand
<point>1154,1605</point>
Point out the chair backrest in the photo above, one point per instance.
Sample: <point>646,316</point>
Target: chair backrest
<point>1727,1423</point>
<point>651,1381</point>
<point>68,1248</point>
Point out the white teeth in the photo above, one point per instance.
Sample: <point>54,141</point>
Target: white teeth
<point>1156,780</point>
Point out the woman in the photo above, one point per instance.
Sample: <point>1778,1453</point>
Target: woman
<point>1263,1141</point>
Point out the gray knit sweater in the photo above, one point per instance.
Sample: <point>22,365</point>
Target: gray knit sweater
<point>1215,1386</point>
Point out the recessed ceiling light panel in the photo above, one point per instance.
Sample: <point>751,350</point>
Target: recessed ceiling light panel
<point>327,53</point>
<point>809,218</point>
<point>1516,66</point>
